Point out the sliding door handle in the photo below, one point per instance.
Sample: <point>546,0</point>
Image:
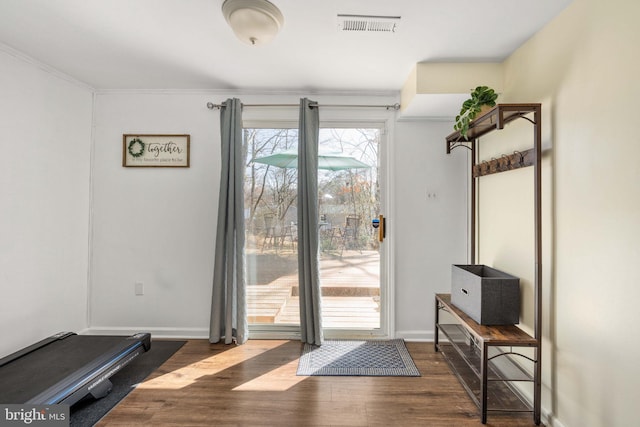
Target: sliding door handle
<point>380,224</point>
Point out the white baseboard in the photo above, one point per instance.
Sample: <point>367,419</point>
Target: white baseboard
<point>550,419</point>
<point>203,333</point>
<point>418,336</point>
<point>176,333</point>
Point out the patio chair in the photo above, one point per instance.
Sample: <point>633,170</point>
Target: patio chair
<point>289,232</point>
<point>350,233</point>
<point>276,235</point>
<point>330,237</point>
<point>270,237</point>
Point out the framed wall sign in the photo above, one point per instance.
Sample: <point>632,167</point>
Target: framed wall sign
<point>164,151</point>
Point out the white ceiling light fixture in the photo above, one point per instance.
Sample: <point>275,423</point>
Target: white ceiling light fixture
<point>254,22</point>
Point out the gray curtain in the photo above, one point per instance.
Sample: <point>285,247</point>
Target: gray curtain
<point>229,305</point>
<point>308,264</point>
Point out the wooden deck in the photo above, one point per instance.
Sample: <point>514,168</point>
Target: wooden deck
<point>350,283</point>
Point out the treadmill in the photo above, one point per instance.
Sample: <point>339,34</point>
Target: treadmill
<point>67,367</point>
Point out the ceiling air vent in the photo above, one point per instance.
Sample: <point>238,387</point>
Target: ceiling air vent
<point>368,23</point>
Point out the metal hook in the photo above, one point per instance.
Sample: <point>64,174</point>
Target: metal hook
<point>484,167</point>
<point>494,162</point>
<point>507,162</point>
<point>521,157</point>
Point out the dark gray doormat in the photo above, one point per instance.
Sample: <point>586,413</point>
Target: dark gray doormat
<point>87,412</point>
<point>373,358</point>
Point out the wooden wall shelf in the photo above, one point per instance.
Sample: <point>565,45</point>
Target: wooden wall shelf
<point>496,118</point>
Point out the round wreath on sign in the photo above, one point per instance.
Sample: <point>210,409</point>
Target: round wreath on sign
<point>136,147</point>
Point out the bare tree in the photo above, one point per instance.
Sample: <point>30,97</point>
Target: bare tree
<point>272,191</point>
<point>269,189</point>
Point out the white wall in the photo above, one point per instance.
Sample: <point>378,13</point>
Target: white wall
<point>583,67</point>
<point>154,225</point>
<point>44,201</point>
<point>430,190</point>
<point>157,226</point>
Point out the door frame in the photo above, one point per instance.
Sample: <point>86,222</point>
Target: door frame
<point>385,123</point>
<point>387,314</point>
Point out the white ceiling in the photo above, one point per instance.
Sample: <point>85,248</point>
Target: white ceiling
<point>186,44</point>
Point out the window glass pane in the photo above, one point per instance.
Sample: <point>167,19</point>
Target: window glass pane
<point>271,234</point>
<point>348,198</point>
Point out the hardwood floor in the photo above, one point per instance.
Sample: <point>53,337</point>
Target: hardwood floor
<point>255,384</point>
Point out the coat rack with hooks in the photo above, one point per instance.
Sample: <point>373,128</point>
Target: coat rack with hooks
<point>506,162</point>
<point>490,336</point>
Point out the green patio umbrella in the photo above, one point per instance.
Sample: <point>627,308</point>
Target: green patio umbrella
<point>328,161</point>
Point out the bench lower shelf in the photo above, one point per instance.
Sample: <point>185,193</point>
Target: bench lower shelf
<point>501,396</point>
<point>491,363</point>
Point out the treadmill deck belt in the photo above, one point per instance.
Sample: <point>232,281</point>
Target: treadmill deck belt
<point>58,367</point>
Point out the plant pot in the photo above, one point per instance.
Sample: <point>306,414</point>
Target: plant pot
<point>483,110</point>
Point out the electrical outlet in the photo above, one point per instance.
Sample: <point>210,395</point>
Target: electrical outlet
<point>139,288</point>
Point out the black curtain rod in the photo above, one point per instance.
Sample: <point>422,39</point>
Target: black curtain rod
<point>396,106</point>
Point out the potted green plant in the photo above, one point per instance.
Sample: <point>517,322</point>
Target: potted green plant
<point>480,96</point>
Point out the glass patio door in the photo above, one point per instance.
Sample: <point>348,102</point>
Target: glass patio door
<point>271,250</point>
<point>349,197</point>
